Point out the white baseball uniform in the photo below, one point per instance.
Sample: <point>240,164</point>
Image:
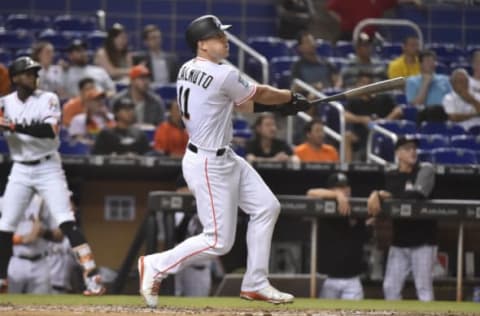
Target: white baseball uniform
<point>220,180</point>
<point>28,270</point>
<point>61,262</point>
<point>37,166</point>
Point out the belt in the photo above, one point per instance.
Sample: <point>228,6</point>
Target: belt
<point>35,162</point>
<point>194,149</point>
<point>32,258</point>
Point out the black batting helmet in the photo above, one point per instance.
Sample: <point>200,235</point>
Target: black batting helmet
<point>202,28</point>
<point>22,64</point>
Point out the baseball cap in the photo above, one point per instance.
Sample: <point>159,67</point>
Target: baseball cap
<point>94,94</point>
<point>338,179</point>
<point>76,44</point>
<point>138,71</point>
<point>363,39</point>
<point>405,139</point>
<point>123,103</point>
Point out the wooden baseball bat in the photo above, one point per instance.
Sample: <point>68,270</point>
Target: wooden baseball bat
<point>380,86</point>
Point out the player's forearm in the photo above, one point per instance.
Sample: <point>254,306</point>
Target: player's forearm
<point>322,193</point>
<point>269,95</point>
<point>40,130</point>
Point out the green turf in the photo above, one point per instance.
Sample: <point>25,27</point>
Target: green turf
<point>236,303</point>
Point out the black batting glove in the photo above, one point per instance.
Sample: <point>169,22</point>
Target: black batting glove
<point>298,103</point>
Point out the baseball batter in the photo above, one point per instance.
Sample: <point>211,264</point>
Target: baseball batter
<point>30,120</point>
<point>208,91</point>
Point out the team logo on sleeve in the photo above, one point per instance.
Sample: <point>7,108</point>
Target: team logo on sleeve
<point>243,81</point>
<point>52,104</point>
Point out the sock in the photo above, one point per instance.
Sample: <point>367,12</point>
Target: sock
<point>6,251</point>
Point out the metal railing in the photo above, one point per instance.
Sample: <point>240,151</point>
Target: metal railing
<point>244,48</point>
<point>338,136</point>
<point>387,22</point>
<point>375,128</point>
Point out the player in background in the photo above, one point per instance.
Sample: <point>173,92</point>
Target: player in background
<point>30,120</point>
<point>208,91</point>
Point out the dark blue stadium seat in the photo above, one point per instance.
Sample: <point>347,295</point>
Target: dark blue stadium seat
<point>168,92</point>
<point>74,23</point>
<point>73,148</point>
<point>343,49</point>
<point>5,57</point>
<point>23,52</point>
<point>474,130</point>
<point>465,142</point>
<point>270,46</point>
<point>25,22</point>
<point>465,65</point>
<point>428,142</point>
<point>3,145</point>
<point>338,62</point>
<point>399,126</point>
<point>324,48</point>
<point>59,40</point>
<point>14,40</point>
<point>410,113</point>
<point>280,70</point>
<point>400,98</point>
<point>442,68</point>
<point>424,155</point>
<point>330,117</point>
<point>449,129</point>
<point>447,52</point>
<point>119,86</point>
<point>391,50</point>
<point>241,128</point>
<point>383,147</point>
<point>454,156</point>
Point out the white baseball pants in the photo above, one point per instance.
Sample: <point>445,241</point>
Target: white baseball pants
<point>342,288</point>
<point>403,260</point>
<point>220,185</point>
<point>25,276</point>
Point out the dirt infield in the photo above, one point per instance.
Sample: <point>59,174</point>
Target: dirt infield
<point>108,310</point>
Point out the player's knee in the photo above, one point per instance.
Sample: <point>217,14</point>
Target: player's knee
<point>223,246</point>
<point>390,290</point>
<point>75,237</point>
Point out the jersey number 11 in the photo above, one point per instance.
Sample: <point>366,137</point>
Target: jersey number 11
<point>183,102</point>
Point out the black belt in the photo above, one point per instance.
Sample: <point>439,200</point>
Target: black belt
<point>194,149</point>
<point>35,162</point>
<point>32,258</point>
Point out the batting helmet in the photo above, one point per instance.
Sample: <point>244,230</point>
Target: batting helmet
<point>22,64</point>
<point>202,28</point>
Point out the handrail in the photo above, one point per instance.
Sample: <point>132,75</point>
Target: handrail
<point>244,48</point>
<point>373,129</point>
<point>340,137</point>
<point>392,22</point>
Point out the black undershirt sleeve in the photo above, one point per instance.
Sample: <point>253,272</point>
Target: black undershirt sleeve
<point>40,130</point>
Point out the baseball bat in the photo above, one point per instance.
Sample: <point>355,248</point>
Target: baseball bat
<point>380,86</point>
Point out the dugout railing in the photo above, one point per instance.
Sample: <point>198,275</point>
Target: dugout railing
<point>168,203</point>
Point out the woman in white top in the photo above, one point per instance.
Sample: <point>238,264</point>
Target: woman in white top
<point>50,76</point>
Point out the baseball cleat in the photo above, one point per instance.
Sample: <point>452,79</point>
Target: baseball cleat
<point>268,294</point>
<point>94,286</point>
<point>149,285</point>
<point>3,286</point>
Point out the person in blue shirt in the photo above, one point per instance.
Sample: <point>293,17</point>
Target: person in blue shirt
<point>427,88</point>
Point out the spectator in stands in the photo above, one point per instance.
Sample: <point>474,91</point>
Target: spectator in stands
<point>163,66</point>
<point>311,67</point>
<point>461,105</point>
<point>349,13</point>
<point>294,16</point>
<point>265,146</point>
<point>362,62</point>
<point>149,107</point>
<point>85,126</point>
<point>340,243</point>
<point>313,149</point>
<point>428,88</point>
<point>359,112</point>
<point>79,68</point>
<point>114,56</point>
<point>76,105</point>
<point>407,64</point>
<point>124,138</point>
<point>170,136</point>
<point>50,77</point>
<point>414,241</point>
<point>475,79</point>
<point>5,86</point>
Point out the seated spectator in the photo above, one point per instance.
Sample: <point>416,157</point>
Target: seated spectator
<point>359,112</point>
<point>294,16</point>
<point>313,68</point>
<point>475,78</point>
<point>79,68</point>
<point>5,86</point>
<point>50,77</point>
<point>461,105</point>
<point>313,149</point>
<point>170,136</point>
<point>265,146</point>
<point>124,138</point>
<point>362,62</point>
<point>427,88</point>
<point>340,243</point>
<point>85,126</point>
<point>149,107</point>
<point>76,105</point>
<point>114,56</point>
<point>407,64</point>
<point>163,66</point>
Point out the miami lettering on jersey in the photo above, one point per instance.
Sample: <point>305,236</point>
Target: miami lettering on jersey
<point>195,76</point>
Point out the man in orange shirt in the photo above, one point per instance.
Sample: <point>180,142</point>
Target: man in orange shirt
<point>170,136</point>
<point>313,149</point>
<point>76,105</point>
